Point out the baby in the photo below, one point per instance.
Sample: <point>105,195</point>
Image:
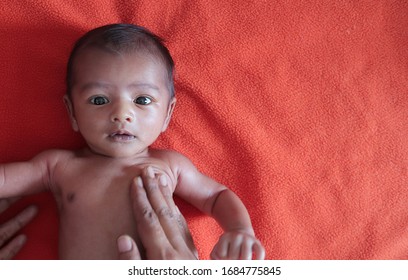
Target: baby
<point>120,98</point>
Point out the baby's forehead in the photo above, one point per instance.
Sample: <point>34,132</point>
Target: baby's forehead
<point>124,55</point>
<point>94,66</point>
<point>88,57</point>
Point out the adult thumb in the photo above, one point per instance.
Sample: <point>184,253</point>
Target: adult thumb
<point>127,248</point>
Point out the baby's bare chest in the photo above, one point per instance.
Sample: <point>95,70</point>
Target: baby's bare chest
<point>95,205</point>
<point>92,183</point>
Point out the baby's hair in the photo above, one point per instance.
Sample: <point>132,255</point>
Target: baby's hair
<point>119,38</point>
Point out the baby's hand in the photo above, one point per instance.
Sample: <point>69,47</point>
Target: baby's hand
<point>238,245</point>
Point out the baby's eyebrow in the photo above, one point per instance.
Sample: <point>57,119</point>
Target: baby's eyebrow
<point>107,86</point>
<point>92,85</point>
<point>144,85</point>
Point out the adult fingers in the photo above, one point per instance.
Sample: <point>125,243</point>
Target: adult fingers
<point>12,248</point>
<point>186,233</point>
<point>8,229</point>
<point>173,212</point>
<point>5,203</point>
<point>157,226</point>
<point>148,225</point>
<point>127,248</point>
<point>157,192</point>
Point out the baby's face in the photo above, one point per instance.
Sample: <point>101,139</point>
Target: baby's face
<point>120,103</point>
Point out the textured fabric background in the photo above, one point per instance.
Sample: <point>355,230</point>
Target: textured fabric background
<point>300,107</point>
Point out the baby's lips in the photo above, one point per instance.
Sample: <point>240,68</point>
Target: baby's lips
<point>121,132</point>
<point>122,136</point>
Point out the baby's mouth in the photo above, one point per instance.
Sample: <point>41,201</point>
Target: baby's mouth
<point>122,136</point>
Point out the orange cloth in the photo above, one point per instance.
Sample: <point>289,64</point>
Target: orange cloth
<point>300,107</point>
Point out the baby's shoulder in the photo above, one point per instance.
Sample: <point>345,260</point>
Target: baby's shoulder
<point>177,161</point>
<point>55,155</point>
<point>169,155</point>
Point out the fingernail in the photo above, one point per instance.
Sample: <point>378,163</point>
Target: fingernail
<point>150,172</point>
<point>21,239</point>
<point>32,210</point>
<point>124,244</point>
<point>163,180</point>
<point>139,182</point>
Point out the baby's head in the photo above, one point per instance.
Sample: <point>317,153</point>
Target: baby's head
<point>121,38</point>
<point>120,92</point>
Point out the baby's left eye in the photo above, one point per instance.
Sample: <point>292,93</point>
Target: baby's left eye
<point>143,100</point>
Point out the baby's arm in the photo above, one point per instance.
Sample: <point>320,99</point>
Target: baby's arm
<point>214,199</point>
<point>238,240</point>
<point>24,178</point>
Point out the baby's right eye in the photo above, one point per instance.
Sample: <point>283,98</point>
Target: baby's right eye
<point>99,100</point>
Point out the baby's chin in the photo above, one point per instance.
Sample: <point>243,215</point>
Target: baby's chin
<point>119,153</point>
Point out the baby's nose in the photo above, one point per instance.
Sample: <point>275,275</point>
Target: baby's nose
<point>122,113</point>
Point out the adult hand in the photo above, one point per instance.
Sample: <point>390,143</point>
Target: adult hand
<point>161,227</point>
<point>10,228</point>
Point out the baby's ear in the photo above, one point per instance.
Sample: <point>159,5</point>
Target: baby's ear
<point>70,109</point>
<point>170,110</point>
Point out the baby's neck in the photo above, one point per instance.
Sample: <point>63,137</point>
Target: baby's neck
<point>87,152</point>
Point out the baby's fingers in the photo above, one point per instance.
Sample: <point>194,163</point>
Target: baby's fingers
<point>259,250</point>
<point>246,250</point>
<point>220,250</point>
<point>251,247</point>
<point>227,248</point>
<point>238,247</point>
<point>234,248</point>
<point>5,203</point>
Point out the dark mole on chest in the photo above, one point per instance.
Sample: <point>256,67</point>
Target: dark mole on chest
<point>71,197</point>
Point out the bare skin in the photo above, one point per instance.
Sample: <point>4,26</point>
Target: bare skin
<point>120,104</point>
<point>10,244</point>
<point>164,233</point>
<point>161,233</point>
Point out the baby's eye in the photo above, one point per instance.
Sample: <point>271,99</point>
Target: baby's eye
<point>99,100</point>
<point>143,100</point>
